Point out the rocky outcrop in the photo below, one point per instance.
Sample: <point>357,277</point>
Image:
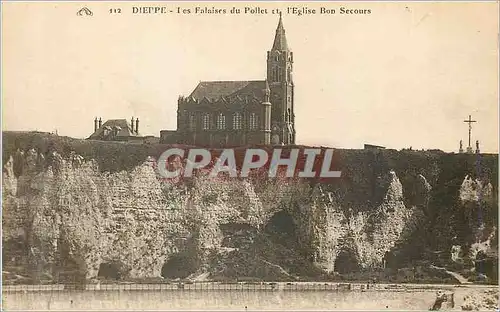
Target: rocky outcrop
<point>485,300</point>
<point>71,214</point>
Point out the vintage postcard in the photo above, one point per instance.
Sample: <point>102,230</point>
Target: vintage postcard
<point>250,156</point>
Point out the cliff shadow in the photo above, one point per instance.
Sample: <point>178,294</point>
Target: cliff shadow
<point>281,229</point>
<point>182,264</point>
<point>346,262</point>
<point>113,270</point>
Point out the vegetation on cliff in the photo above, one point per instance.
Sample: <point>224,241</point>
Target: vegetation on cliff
<point>79,210</point>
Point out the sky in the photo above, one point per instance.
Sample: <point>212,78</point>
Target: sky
<point>407,74</point>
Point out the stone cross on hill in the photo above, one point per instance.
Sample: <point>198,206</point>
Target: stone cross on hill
<point>469,121</point>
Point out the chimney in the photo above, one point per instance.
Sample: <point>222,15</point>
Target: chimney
<point>100,122</point>
<point>132,123</point>
<point>95,124</point>
<point>137,126</point>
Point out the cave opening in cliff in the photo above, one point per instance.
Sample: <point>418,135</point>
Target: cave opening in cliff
<point>109,270</point>
<point>180,265</point>
<point>346,262</point>
<point>282,229</point>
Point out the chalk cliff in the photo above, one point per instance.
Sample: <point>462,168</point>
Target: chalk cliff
<point>74,209</point>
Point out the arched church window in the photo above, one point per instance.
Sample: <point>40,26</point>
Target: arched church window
<point>277,58</point>
<point>192,122</point>
<point>221,121</point>
<point>288,115</point>
<point>254,122</point>
<point>206,121</point>
<point>237,121</point>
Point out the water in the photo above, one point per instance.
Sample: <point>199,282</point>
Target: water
<point>227,300</point>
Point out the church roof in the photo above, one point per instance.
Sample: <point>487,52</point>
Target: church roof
<point>280,43</point>
<point>214,90</point>
<point>122,126</point>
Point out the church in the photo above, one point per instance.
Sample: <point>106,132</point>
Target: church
<point>235,113</point>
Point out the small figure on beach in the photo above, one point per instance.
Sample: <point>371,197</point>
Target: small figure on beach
<point>442,297</point>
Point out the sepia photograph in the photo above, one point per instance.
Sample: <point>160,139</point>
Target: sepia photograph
<point>250,156</point>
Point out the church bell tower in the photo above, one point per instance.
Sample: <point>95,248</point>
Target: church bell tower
<point>279,77</point>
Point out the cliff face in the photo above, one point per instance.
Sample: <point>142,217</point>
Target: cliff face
<point>73,210</point>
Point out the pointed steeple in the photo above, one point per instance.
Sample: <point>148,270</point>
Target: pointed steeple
<point>280,38</point>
